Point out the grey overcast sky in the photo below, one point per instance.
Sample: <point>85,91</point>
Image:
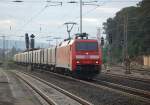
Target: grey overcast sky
<point>42,19</point>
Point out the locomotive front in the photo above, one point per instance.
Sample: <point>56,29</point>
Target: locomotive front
<point>87,57</point>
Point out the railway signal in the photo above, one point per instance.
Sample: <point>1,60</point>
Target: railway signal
<point>27,41</point>
<point>122,42</point>
<point>110,38</point>
<point>102,41</point>
<point>32,41</point>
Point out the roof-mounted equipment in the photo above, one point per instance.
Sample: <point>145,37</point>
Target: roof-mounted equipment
<point>81,36</point>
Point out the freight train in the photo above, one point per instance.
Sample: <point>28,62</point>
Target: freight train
<point>80,56</point>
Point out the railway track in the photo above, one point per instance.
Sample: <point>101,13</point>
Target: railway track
<point>49,92</point>
<point>116,87</point>
<point>138,92</point>
<point>127,77</point>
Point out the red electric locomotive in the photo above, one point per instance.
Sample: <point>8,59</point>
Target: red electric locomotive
<point>81,56</point>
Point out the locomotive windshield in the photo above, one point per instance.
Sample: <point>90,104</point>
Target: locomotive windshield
<point>86,46</point>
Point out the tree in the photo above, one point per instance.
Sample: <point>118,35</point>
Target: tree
<point>137,20</point>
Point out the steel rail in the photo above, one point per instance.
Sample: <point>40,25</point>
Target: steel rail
<point>145,95</point>
<point>139,92</point>
<point>128,77</point>
<point>45,97</point>
<point>78,99</point>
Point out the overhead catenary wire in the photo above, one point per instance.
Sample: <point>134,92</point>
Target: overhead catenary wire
<point>46,6</point>
<point>60,26</point>
<point>88,12</point>
<point>76,18</point>
<point>38,13</point>
<point>40,1</point>
<point>33,17</point>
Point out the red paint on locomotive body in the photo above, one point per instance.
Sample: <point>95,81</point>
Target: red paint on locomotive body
<point>78,52</point>
<point>87,56</point>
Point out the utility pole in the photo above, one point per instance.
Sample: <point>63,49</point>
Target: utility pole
<point>83,3</point>
<point>125,35</point>
<point>99,35</point>
<point>125,46</point>
<point>80,16</point>
<point>3,38</point>
<point>109,53</point>
<point>124,41</point>
<point>3,48</point>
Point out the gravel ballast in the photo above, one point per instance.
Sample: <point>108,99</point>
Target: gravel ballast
<point>97,96</point>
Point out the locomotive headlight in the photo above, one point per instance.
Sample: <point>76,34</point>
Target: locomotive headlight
<point>96,62</point>
<point>77,62</point>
